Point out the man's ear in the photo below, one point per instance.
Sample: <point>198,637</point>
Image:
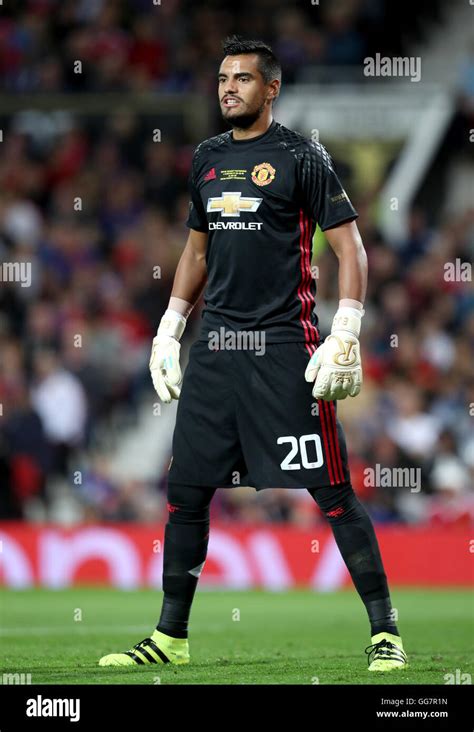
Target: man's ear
<point>274,92</point>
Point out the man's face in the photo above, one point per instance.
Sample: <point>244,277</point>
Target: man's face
<point>242,90</point>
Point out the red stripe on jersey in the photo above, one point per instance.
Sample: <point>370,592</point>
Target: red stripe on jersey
<point>304,291</point>
<point>326,442</point>
<point>308,252</point>
<point>337,476</point>
<point>305,278</point>
<point>336,440</point>
<point>331,466</point>
<point>304,303</point>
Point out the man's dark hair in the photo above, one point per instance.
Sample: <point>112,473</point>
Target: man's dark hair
<point>268,65</point>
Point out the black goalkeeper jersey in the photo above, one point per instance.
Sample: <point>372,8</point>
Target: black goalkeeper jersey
<point>260,201</point>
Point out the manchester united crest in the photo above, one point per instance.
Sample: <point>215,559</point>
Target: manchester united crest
<point>263,174</point>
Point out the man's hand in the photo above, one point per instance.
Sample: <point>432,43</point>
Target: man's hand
<point>335,367</point>
<point>164,361</point>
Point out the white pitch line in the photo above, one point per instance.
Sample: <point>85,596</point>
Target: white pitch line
<point>64,629</point>
<point>83,629</point>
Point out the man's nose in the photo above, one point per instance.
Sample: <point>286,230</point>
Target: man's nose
<point>230,88</point>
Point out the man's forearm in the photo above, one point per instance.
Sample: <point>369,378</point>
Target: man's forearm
<point>189,281</point>
<point>353,273</point>
<point>347,244</point>
<point>352,289</point>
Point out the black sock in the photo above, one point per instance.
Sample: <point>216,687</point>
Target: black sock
<point>185,551</point>
<point>355,536</point>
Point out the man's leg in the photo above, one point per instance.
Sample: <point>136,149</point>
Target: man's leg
<point>355,536</point>
<point>185,551</point>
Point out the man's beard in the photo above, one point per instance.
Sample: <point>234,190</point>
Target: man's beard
<point>244,121</point>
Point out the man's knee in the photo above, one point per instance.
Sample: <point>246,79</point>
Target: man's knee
<point>188,504</point>
<point>338,503</point>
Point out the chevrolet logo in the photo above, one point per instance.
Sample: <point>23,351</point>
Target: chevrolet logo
<point>231,204</point>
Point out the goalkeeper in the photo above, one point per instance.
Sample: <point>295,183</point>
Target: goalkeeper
<point>267,416</point>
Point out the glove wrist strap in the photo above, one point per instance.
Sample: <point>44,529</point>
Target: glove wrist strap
<point>348,319</point>
<point>172,324</point>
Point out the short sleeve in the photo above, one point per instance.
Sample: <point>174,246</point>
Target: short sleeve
<point>322,191</point>
<point>197,218</point>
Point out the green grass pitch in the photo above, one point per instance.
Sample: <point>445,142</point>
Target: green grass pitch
<point>248,637</point>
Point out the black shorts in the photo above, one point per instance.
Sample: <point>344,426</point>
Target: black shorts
<point>248,419</point>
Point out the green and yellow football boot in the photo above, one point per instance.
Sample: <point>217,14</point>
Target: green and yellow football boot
<point>157,649</point>
<point>386,653</point>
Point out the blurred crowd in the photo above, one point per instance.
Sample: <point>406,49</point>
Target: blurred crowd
<point>95,208</point>
<point>82,211</point>
<point>171,46</point>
